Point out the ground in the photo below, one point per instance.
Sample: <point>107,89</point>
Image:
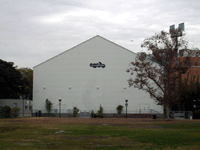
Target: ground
<point>95,133</point>
<point>98,120</point>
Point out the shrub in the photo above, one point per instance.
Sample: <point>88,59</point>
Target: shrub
<point>92,114</point>
<point>100,112</point>
<point>6,112</point>
<point>15,112</point>
<point>75,111</point>
<point>119,109</point>
<point>48,106</point>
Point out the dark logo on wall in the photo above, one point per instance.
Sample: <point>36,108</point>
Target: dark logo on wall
<point>99,65</point>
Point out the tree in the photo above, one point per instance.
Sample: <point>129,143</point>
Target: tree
<point>48,106</point>
<point>15,112</point>
<point>100,111</point>
<point>6,112</point>
<point>75,111</point>
<point>119,109</point>
<point>27,83</point>
<point>190,97</point>
<point>10,80</point>
<point>158,70</point>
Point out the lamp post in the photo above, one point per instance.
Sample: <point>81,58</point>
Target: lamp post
<point>126,104</point>
<point>59,107</point>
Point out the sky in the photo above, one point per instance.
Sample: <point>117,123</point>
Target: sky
<point>33,31</point>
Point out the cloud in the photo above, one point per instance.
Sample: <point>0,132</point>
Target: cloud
<point>34,31</point>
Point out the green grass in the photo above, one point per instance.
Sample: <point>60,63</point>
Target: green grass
<point>86,136</point>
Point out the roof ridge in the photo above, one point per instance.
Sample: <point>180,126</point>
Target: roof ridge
<point>81,44</point>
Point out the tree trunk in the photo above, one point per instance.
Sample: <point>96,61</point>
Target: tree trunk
<point>167,112</point>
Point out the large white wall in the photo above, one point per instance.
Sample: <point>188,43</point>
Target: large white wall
<point>69,77</point>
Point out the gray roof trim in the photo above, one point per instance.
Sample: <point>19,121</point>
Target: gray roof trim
<point>81,44</point>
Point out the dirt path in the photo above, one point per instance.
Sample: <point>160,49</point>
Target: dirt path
<point>93,120</point>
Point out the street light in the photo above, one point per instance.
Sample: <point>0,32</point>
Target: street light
<point>59,107</point>
<point>126,104</point>
<point>181,28</point>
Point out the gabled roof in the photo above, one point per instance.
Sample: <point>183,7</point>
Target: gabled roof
<point>83,43</point>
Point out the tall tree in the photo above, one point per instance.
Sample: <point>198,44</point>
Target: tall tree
<point>157,71</point>
<point>191,93</point>
<point>10,80</point>
<point>27,83</point>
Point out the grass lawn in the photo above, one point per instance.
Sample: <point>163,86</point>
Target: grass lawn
<point>91,133</point>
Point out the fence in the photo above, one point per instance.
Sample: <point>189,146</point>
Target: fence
<point>25,114</point>
<point>147,113</point>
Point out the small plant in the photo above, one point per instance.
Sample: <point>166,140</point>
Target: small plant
<point>48,106</point>
<point>15,112</point>
<point>119,109</point>
<point>100,112</point>
<point>75,111</point>
<point>6,112</point>
<point>92,114</point>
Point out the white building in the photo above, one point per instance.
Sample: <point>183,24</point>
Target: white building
<point>24,105</point>
<point>88,75</point>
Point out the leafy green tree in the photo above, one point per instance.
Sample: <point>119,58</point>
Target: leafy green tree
<point>27,83</point>
<point>157,71</point>
<point>15,112</point>
<point>92,114</point>
<point>119,109</point>
<point>75,111</point>
<point>48,106</point>
<point>10,80</point>
<point>190,93</point>
<point>100,111</point>
<point>6,112</point>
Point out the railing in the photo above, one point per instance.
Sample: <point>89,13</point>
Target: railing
<point>147,113</point>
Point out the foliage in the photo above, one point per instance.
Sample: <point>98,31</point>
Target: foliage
<point>48,106</point>
<point>75,111</point>
<point>119,109</point>
<point>92,114</point>
<point>100,111</point>
<point>190,95</point>
<point>6,112</point>
<point>27,83</point>
<point>15,83</point>
<point>10,80</point>
<point>157,71</point>
<point>15,112</point>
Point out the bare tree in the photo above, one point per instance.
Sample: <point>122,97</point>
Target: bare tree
<point>158,71</point>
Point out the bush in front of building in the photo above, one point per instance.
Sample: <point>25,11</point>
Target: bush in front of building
<point>75,111</point>
<point>100,113</point>
<point>5,112</point>
<point>92,114</point>
<point>15,112</point>
<point>119,109</point>
<point>48,106</point>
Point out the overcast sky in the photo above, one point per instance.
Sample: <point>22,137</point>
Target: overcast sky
<point>32,31</point>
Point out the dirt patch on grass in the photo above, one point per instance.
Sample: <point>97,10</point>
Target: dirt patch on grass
<point>85,137</point>
<point>153,126</point>
<point>8,129</point>
<point>95,121</point>
<point>24,144</point>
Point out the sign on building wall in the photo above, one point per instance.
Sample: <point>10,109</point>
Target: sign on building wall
<point>99,65</point>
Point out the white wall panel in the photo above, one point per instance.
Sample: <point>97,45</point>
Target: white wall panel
<point>69,77</point>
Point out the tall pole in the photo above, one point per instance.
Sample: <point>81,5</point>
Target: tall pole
<point>126,112</point>
<point>23,107</point>
<point>126,104</point>
<point>175,33</point>
<point>59,107</point>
